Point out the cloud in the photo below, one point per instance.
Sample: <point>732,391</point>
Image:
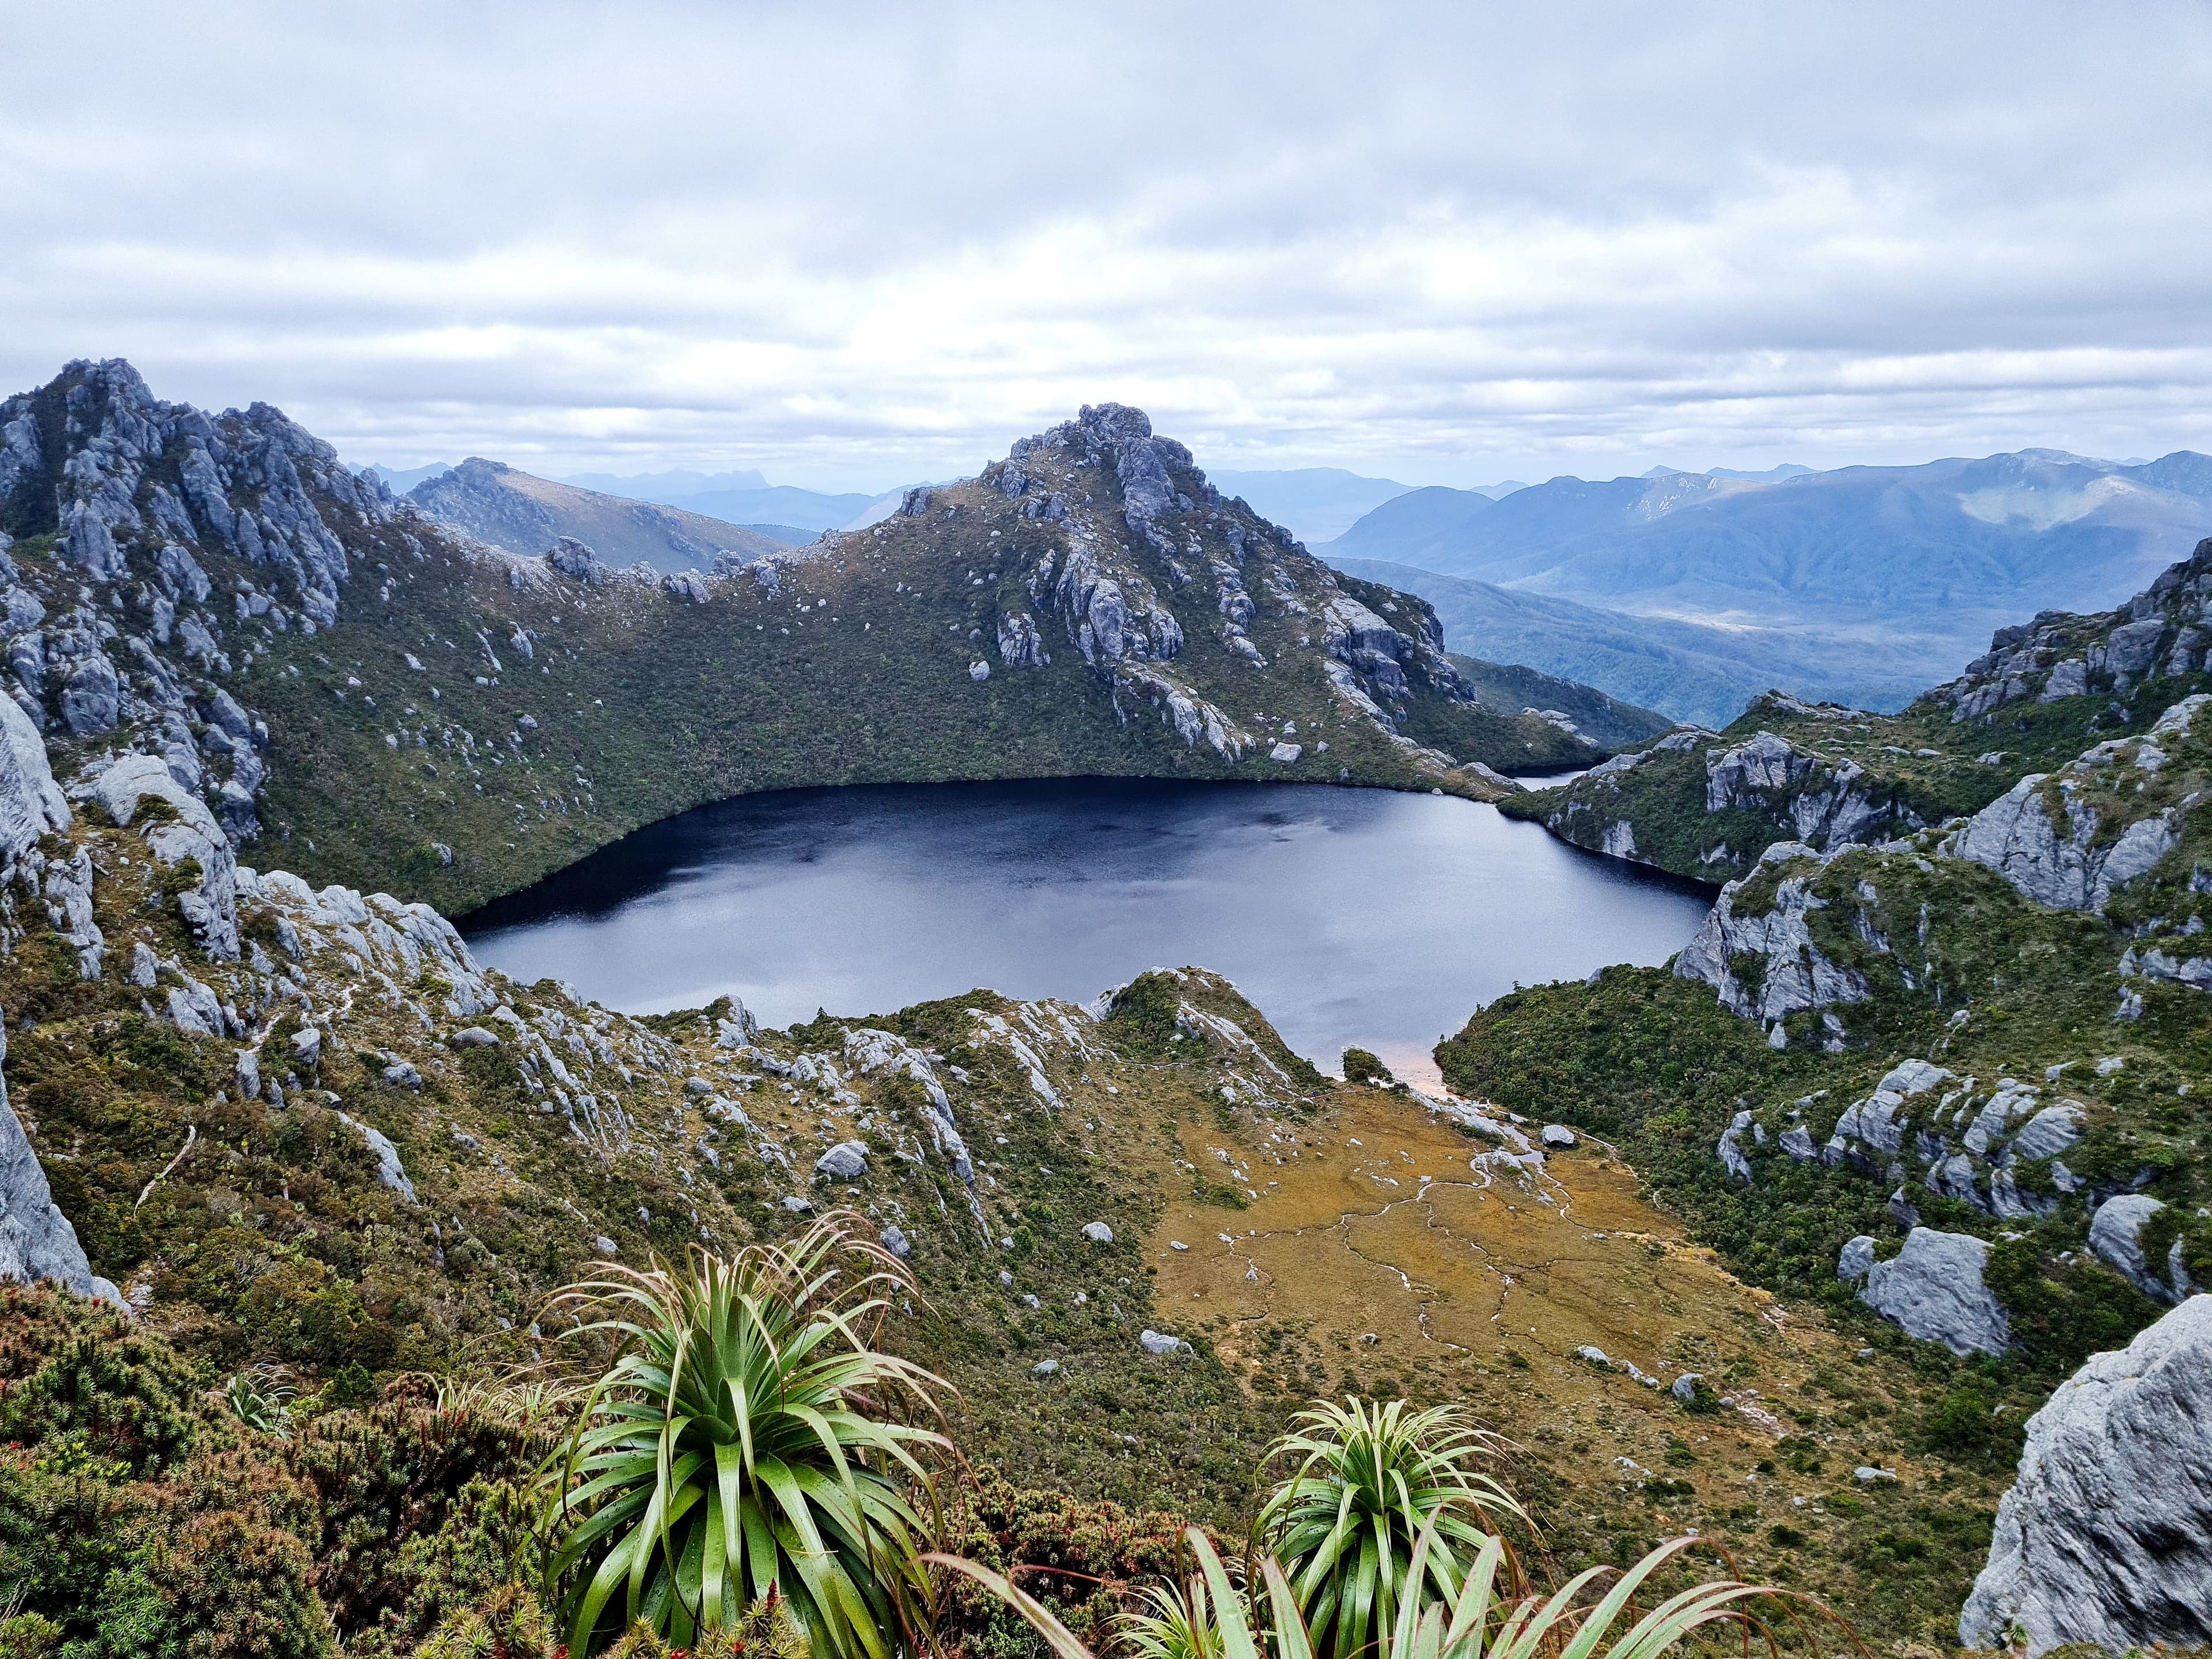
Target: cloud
<point>860,244</point>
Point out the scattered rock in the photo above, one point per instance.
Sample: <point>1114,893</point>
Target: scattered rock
<point>2114,1240</point>
<point>1595,1356</point>
<point>604,1245</point>
<point>979,671</point>
<point>896,1241</point>
<point>798,1205</point>
<point>846,1161</point>
<point>2106,1535</point>
<point>1045,1367</point>
<point>1685,1387</point>
<point>1866,1473</point>
<point>403,1075</point>
<point>1159,1342</point>
<point>1098,1232</point>
<point>1855,1259</point>
<point>474,1037</point>
<point>1559,1137</point>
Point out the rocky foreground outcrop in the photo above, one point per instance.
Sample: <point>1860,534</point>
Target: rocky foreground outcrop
<point>2106,1537</point>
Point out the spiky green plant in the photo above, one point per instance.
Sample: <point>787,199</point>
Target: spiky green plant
<point>1370,1478</point>
<point>748,1438</point>
<point>261,1399</point>
<point>1172,1622</point>
<point>1476,1622</point>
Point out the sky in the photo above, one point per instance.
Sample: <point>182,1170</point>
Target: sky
<point>855,244</point>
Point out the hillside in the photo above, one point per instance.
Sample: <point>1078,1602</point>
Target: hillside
<point>1704,803</point>
<point>389,703</point>
<point>1921,561</point>
<point>510,509</point>
<point>1507,689</point>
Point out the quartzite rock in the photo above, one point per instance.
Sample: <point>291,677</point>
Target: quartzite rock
<point>2106,1535</point>
<point>1933,1290</point>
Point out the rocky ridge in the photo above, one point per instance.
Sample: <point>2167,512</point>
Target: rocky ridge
<point>509,509</point>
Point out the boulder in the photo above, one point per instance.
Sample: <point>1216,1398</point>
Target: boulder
<point>186,830</point>
<point>2013,835</point>
<point>2114,1240</point>
<point>1559,1137</point>
<point>572,558</point>
<point>1045,1367</point>
<point>1855,1259</point>
<point>2106,1534</point>
<point>896,1241</point>
<point>846,1161</point>
<point>1159,1342</point>
<point>1798,976</point>
<point>474,1037</point>
<point>1933,1290</point>
<point>1685,1387</point>
<point>1098,1232</point>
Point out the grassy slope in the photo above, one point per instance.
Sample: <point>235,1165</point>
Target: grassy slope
<point>1509,690</point>
<point>855,671</point>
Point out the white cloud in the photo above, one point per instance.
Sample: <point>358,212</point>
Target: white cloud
<point>853,245</point>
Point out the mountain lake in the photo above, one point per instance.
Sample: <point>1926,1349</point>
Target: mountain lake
<point>1351,917</point>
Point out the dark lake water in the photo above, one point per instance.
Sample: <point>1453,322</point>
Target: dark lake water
<point>1349,916</point>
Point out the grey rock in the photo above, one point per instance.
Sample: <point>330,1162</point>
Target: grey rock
<point>210,905</point>
<point>31,802</point>
<point>604,1245</point>
<point>474,1037</point>
<point>686,587</point>
<point>2049,1131</point>
<point>1559,1136</point>
<point>390,1172</point>
<point>248,1073</point>
<point>846,1161</point>
<point>1098,1232</point>
<point>1798,977</point>
<point>1159,1342</point>
<point>403,1075</point>
<point>92,696</point>
<point>1595,1356</point>
<point>979,671</point>
<point>572,558</point>
<point>2106,1534</point>
<point>1933,1290</point>
<point>1797,1141</point>
<point>1686,1386</point>
<point>896,1241</point>
<point>1045,1367</point>
<point>307,1045</point>
<point>796,1205</point>
<point>2014,836</point>
<point>1730,1152</point>
<point>1855,1259</point>
<point>2115,1240</point>
<point>36,1239</point>
<point>1866,1474</point>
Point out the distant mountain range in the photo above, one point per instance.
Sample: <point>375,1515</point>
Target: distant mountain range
<point>1861,583</point>
<point>1316,503</point>
<point>526,514</point>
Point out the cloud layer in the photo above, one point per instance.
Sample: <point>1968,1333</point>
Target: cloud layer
<point>858,244</point>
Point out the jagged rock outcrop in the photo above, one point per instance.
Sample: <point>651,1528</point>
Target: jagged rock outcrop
<point>1794,976</point>
<point>2106,1535</point>
<point>135,494</point>
<point>184,832</point>
<point>2162,631</point>
<point>2116,1239</point>
<point>1826,804</point>
<point>1933,1290</point>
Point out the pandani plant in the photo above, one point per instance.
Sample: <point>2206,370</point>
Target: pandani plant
<point>1479,1620</point>
<point>1371,1478</point>
<point>749,1439</point>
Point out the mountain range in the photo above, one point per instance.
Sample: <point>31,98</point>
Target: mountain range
<point>1867,580</point>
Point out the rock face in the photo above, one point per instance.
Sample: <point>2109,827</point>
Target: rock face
<point>1797,975</point>
<point>2106,1535</point>
<point>1933,1290</point>
<point>2071,870</point>
<point>36,1240</point>
<point>186,831</point>
<point>1824,804</point>
<point>2116,1239</point>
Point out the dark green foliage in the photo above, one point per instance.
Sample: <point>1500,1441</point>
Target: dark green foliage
<point>1361,1066</point>
<point>73,1369</point>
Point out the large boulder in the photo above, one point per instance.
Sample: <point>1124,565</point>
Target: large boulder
<point>185,830</point>
<point>2106,1534</point>
<point>1933,1290</point>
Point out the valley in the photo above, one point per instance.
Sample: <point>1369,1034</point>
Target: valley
<point>1909,1128</point>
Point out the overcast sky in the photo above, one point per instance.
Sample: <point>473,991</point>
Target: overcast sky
<point>854,245</point>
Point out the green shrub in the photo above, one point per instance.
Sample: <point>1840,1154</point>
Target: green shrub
<point>1361,1066</point>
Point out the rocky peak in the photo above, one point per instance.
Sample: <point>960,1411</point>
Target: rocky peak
<point>2162,631</point>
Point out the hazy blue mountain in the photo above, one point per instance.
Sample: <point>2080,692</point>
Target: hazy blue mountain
<point>401,480</point>
<point>1689,670</point>
<point>778,504</point>
<point>527,514</point>
<point>1314,503</point>
<point>669,489</point>
<point>1926,559</point>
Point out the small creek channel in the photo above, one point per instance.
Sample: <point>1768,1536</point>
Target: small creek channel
<point>1349,916</point>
